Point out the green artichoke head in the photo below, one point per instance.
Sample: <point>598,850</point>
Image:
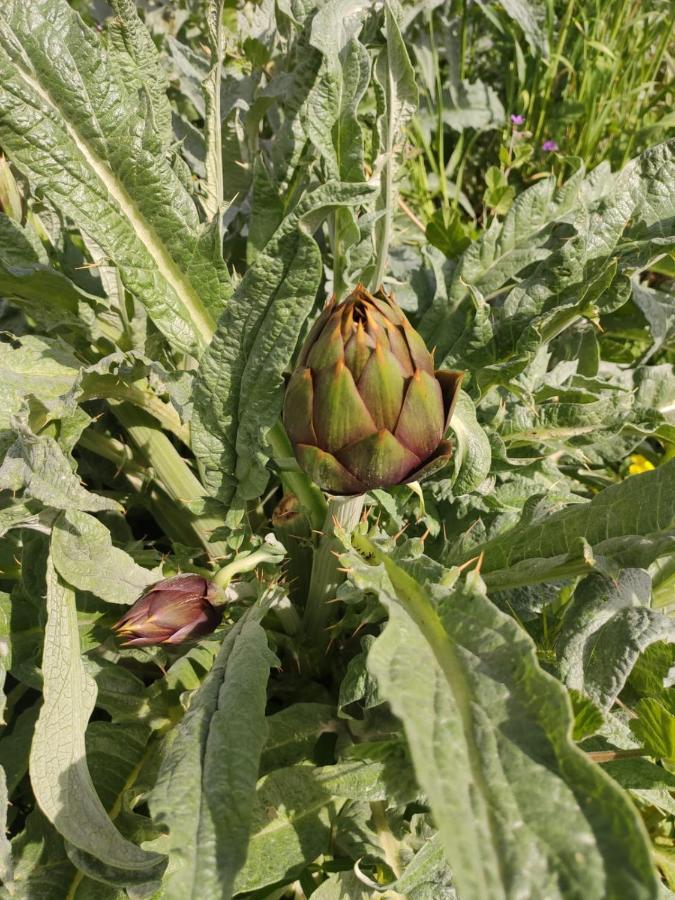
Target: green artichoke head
<point>365,407</point>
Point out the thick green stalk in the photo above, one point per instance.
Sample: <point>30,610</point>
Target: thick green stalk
<point>139,394</point>
<point>343,513</point>
<point>172,471</point>
<point>170,518</point>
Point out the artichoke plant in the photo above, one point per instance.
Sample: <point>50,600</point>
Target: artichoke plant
<point>172,611</point>
<point>365,407</point>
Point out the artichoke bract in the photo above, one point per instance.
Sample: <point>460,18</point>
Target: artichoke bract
<point>172,611</point>
<point>365,407</point>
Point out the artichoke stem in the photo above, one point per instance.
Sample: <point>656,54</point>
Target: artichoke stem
<point>343,512</point>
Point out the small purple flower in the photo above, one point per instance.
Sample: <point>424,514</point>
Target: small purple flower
<point>517,120</point>
<point>549,146</point>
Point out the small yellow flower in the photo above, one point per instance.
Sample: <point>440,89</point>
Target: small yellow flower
<point>639,464</point>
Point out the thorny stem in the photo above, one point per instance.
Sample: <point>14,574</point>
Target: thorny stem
<point>343,512</point>
<point>247,562</point>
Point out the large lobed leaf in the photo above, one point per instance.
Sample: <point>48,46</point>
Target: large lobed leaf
<point>578,245</point>
<point>606,626</point>
<point>628,524</point>
<point>485,724</point>
<point>85,557</point>
<point>74,125</point>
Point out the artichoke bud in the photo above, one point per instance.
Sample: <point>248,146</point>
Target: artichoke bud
<point>172,611</point>
<point>365,407</point>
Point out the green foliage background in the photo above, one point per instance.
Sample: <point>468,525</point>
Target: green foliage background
<point>489,712</point>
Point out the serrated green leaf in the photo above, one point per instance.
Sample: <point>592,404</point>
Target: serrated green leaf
<point>606,626</point>
<point>427,877</point>
<point>472,454</point>
<point>658,308</point>
<point>116,755</point>
<point>59,774</point>
<point>19,515</point>
<point>36,464</point>
<point>472,104</point>
<point>92,156</point>
<point>579,237</point>
<point>293,732</point>
<point>290,827</point>
<point>140,63</point>
<point>342,886</point>
<point>524,12</point>
<point>358,684</point>
<point>84,556</point>
<point>484,723</point>
<point>628,524</point>
<point>397,100</point>
<point>213,133</point>
<point>36,366</point>
<point>206,785</point>
<point>26,278</point>
<point>380,770</point>
<point>654,728</point>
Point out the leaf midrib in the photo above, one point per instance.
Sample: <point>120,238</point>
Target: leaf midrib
<point>198,315</point>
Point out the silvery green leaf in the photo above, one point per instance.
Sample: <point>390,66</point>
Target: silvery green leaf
<point>500,253</point>
<point>658,308</point>
<point>584,260</point>
<point>427,876</point>
<point>140,62</point>
<point>606,626</point>
<point>36,464</point>
<point>358,684</point>
<point>94,158</point>
<point>286,836</point>
<point>628,524</point>
<point>213,135</point>
<point>398,97</point>
<point>59,773</point>
<point>342,886</point>
<point>115,755</point>
<point>484,723</point>
<point>472,455</point>
<point>216,748</point>
<point>292,733</point>
<point>25,515</point>
<point>528,14</point>
<point>34,365</point>
<point>84,556</point>
<point>373,771</point>
<point>473,104</point>
<point>31,284</point>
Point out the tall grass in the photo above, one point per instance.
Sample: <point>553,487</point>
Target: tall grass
<point>594,78</point>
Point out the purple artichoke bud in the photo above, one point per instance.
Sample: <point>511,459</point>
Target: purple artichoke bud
<point>172,611</point>
<point>365,408</point>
